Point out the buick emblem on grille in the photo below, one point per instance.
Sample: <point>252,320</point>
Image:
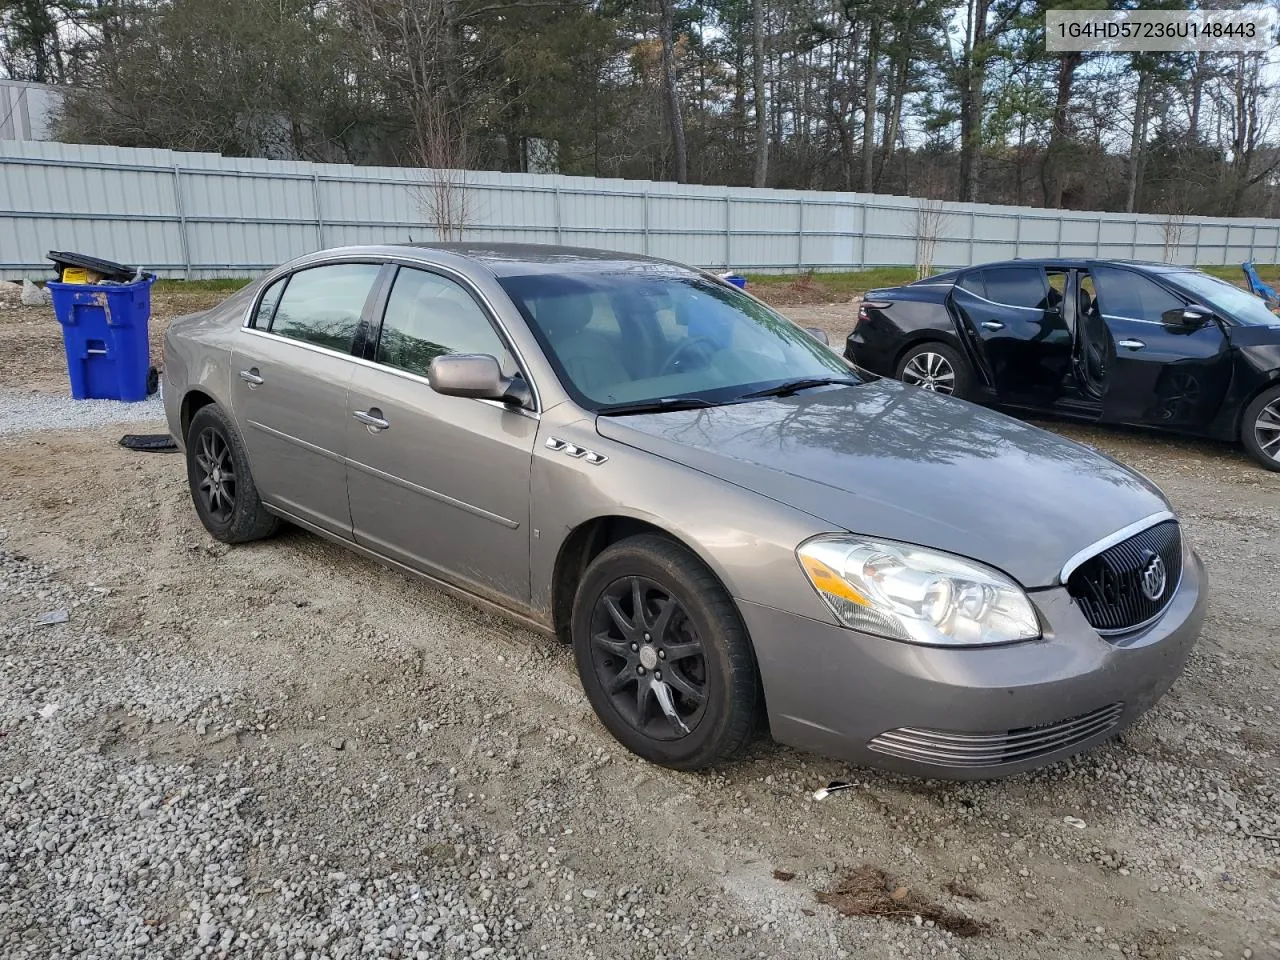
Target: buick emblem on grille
<point>1153,578</point>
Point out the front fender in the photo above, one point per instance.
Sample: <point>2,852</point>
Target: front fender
<point>747,540</point>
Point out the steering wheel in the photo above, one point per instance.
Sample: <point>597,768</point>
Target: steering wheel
<point>687,345</point>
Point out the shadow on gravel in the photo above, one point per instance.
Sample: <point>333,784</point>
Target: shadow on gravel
<point>868,892</point>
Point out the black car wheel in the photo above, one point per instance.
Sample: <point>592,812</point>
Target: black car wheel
<point>222,487</point>
<point>936,367</point>
<point>1260,428</point>
<point>663,655</point>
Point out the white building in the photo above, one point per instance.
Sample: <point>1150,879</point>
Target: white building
<point>26,110</point>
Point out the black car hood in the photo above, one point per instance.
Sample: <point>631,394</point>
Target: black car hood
<point>901,463</point>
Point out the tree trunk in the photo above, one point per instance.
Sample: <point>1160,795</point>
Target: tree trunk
<point>666,25</point>
<point>758,92</point>
<point>1197,95</point>
<point>893,117</point>
<point>1138,140</point>
<point>1054,179</point>
<point>870,98</point>
<point>973,76</point>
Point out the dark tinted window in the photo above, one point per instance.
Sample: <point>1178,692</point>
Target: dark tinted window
<point>1016,286</point>
<point>322,305</point>
<point>267,305</point>
<point>973,283</point>
<point>1122,293</point>
<point>428,316</point>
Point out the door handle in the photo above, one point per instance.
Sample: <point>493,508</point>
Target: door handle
<point>1130,344</point>
<point>372,418</point>
<point>993,324</point>
<point>251,377</point>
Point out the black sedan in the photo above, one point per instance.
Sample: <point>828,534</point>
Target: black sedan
<point>1107,341</point>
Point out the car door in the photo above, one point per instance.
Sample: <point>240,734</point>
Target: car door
<point>1016,321</point>
<point>289,373</point>
<point>439,483</point>
<point>1167,374</point>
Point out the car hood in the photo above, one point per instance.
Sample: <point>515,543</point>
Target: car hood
<point>902,463</point>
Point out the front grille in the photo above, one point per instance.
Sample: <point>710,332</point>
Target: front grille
<point>993,749</point>
<point>1110,586</point>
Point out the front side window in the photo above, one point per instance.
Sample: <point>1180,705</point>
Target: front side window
<point>429,316</point>
<point>1125,295</point>
<point>322,305</point>
<point>648,335</point>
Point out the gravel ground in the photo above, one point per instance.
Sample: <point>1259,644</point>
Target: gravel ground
<point>283,750</point>
<point>35,412</point>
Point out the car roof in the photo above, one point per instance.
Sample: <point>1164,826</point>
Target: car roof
<point>503,259</point>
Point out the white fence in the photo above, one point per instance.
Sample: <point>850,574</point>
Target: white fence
<point>201,215</point>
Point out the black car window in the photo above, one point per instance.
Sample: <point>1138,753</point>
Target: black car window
<point>429,316</point>
<point>1123,294</point>
<point>322,305</point>
<point>1056,290</point>
<point>1015,286</point>
<point>973,283</point>
<point>267,305</point>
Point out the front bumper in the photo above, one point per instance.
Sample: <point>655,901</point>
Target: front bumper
<point>968,714</point>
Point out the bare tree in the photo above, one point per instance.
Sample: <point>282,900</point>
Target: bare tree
<point>441,149</point>
<point>1171,231</point>
<point>930,217</point>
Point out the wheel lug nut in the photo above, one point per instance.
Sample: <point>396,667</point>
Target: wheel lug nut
<point>658,675</point>
<point>635,647</point>
<point>662,654</point>
<point>647,638</point>
<point>640,670</point>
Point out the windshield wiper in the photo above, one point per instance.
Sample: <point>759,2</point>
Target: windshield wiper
<point>794,386</point>
<point>656,406</point>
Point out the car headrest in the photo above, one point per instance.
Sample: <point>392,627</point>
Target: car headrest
<point>565,315</point>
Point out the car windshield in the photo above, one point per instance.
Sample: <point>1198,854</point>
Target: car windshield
<point>646,336</point>
<point>1227,299</point>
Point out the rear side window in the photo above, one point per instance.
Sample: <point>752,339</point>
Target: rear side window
<point>973,283</point>
<point>1122,293</point>
<point>1015,286</point>
<point>322,305</point>
<point>267,305</point>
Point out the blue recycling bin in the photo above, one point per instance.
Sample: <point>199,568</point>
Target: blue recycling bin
<point>105,334</point>
<point>736,279</point>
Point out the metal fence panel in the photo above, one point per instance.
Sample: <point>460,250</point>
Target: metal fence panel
<point>202,215</point>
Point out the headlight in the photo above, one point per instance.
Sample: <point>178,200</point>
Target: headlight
<point>903,592</point>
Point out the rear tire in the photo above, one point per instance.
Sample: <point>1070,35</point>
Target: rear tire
<point>936,367</point>
<point>222,488</point>
<point>1260,428</point>
<point>678,684</point>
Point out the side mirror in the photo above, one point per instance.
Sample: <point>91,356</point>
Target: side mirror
<point>818,334</point>
<point>1191,316</point>
<point>475,375</point>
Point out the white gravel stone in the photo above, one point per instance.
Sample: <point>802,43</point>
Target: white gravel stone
<point>33,412</point>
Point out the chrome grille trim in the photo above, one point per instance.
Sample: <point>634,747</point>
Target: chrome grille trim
<point>1107,587</point>
<point>947,749</point>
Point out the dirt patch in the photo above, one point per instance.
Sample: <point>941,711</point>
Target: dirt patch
<point>869,892</point>
<point>804,290</point>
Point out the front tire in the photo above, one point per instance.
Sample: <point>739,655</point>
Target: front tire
<point>1260,428</point>
<point>663,656</point>
<point>222,488</point>
<point>936,367</point>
